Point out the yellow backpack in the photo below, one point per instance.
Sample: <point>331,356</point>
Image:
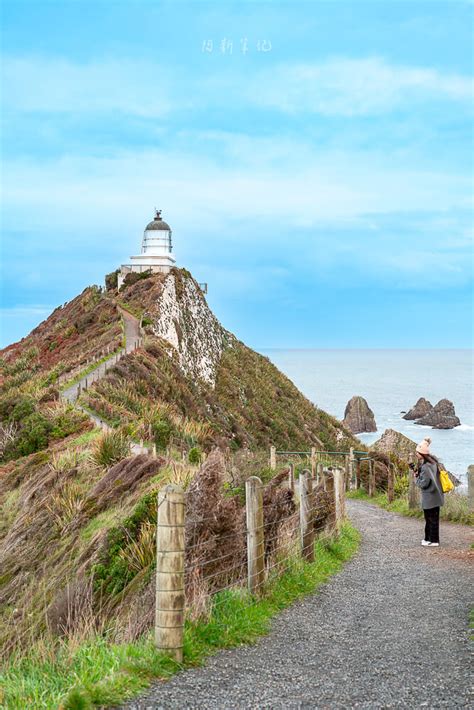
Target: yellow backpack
<point>446,483</point>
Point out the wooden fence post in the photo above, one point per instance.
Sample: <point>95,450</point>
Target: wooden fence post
<point>291,477</point>
<point>371,478</point>
<point>339,495</point>
<point>391,482</point>
<point>306,516</point>
<point>273,459</point>
<point>313,462</point>
<point>255,542</point>
<point>413,492</point>
<point>169,610</point>
<point>347,470</point>
<point>330,488</point>
<point>351,482</point>
<point>357,474</point>
<point>321,475</point>
<point>470,486</point>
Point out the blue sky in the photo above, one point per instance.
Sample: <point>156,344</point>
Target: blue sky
<point>314,160</point>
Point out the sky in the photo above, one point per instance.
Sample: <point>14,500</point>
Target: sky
<point>314,161</point>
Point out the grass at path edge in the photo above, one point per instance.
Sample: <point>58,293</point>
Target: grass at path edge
<point>98,673</point>
<point>455,509</point>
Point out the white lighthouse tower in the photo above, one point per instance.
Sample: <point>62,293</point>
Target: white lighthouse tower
<point>156,253</point>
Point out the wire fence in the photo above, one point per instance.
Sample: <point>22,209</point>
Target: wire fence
<point>240,547</point>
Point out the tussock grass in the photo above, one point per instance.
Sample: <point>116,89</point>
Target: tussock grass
<point>99,672</point>
<point>455,508</point>
<point>110,447</point>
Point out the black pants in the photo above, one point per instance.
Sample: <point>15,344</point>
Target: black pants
<point>432,524</point>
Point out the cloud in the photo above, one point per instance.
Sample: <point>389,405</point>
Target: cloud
<point>56,85</point>
<point>341,86</point>
<point>201,191</point>
<point>353,87</point>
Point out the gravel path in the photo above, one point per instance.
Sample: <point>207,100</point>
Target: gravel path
<point>390,630</point>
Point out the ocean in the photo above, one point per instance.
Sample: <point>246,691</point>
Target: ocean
<point>391,381</point>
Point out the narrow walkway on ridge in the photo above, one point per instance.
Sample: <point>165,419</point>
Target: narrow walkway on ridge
<point>390,630</point>
<point>132,338</point>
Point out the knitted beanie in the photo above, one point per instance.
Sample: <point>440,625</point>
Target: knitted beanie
<point>424,446</point>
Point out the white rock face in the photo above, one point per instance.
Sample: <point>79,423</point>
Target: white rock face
<point>186,322</point>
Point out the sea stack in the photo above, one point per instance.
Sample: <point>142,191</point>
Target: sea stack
<point>441,416</point>
<point>358,417</point>
<point>393,442</point>
<point>421,408</point>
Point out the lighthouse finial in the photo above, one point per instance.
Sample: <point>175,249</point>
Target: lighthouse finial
<point>157,213</point>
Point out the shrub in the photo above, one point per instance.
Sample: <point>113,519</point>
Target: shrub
<point>162,430</point>
<point>66,423</point>
<point>34,435</point>
<point>134,276</point>
<point>195,455</point>
<point>401,486</point>
<point>133,540</point>
<point>111,447</point>
<point>111,280</point>
<point>23,408</point>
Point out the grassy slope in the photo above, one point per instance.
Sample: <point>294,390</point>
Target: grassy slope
<point>71,335</point>
<point>31,372</point>
<point>92,672</point>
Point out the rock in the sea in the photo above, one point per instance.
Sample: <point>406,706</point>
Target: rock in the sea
<point>393,442</point>
<point>421,408</point>
<point>442,416</point>
<point>358,417</point>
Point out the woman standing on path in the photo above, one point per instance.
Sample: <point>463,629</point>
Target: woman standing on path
<point>432,496</point>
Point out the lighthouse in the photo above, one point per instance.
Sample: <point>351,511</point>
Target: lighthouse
<point>156,255</point>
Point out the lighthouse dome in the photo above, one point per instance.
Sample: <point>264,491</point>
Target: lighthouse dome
<point>158,223</point>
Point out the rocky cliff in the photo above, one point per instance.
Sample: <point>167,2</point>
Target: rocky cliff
<point>358,417</point>
<point>181,316</point>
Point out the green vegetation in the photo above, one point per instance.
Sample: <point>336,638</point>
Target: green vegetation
<point>162,431</point>
<point>132,309</point>
<point>110,447</point>
<point>195,455</point>
<point>111,280</point>
<point>455,508</point>
<point>114,571</point>
<point>135,276</point>
<point>36,427</point>
<point>92,672</point>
